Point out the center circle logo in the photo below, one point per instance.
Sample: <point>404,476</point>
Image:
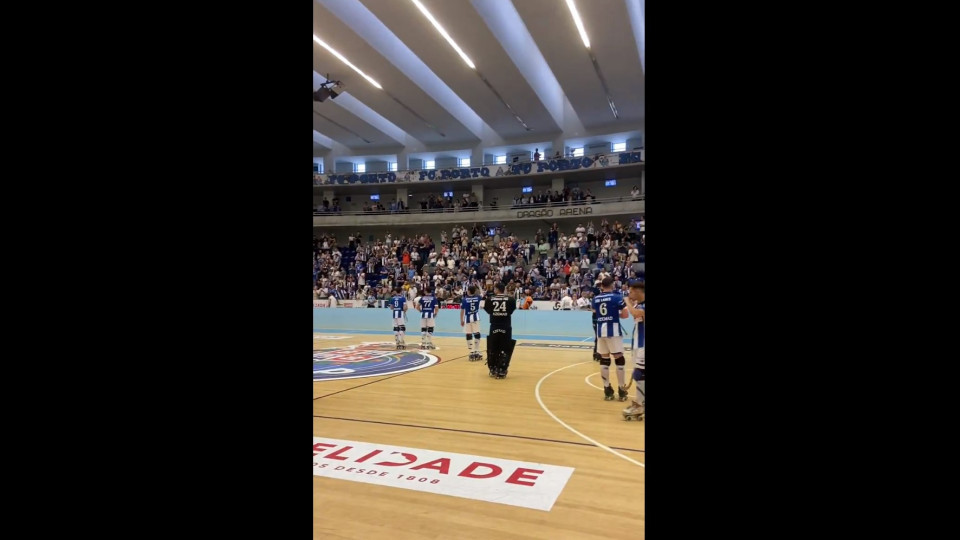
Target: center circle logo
<point>366,360</point>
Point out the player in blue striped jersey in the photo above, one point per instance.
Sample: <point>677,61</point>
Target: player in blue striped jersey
<point>609,308</point>
<point>428,308</point>
<point>637,308</point>
<point>470,321</point>
<point>398,304</point>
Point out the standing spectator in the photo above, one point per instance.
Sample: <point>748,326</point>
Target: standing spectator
<point>527,300</point>
<point>536,155</point>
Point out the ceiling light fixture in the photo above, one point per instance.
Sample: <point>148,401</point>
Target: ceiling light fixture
<point>345,61</point>
<point>443,33</point>
<point>579,23</point>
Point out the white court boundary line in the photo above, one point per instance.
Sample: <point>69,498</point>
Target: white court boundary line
<point>587,380</point>
<point>536,393</point>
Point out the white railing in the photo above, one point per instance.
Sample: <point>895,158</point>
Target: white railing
<point>482,208</point>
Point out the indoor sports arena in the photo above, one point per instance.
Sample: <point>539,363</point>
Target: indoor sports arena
<point>479,263</point>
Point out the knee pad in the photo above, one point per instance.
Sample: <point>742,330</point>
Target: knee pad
<point>619,360</point>
<point>430,329</point>
<point>396,328</point>
<point>639,374</point>
<point>469,337</point>
<point>403,328</point>
<point>604,361</point>
<point>423,329</point>
<point>476,336</point>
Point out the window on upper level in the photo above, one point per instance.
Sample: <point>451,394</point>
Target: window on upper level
<point>430,164</point>
<point>360,167</point>
<point>393,167</point>
<point>578,152</point>
<point>619,147</point>
<point>500,160</point>
<point>465,162</point>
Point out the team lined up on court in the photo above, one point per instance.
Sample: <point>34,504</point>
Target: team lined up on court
<point>609,307</point>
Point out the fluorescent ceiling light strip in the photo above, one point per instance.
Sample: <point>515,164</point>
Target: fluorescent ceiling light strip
<point>443,33</point>
<point>345,61</point>
<point>579,23</point>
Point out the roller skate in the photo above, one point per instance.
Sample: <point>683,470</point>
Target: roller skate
<point>634,411</point>
<point>396,341</point>
<point>401,346</point>
<point>423,345</point>
<point>622,393</point>
<point>475,356</point>
<point>608,393</point>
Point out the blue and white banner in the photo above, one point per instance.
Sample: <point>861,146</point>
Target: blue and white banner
<point>460,173</point>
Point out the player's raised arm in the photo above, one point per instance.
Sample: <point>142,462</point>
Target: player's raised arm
<point>622,306</point>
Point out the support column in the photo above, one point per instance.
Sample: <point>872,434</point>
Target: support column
<point>402,164</point>
<point>643,187</point>
<point>476,157</point>
<point>402,197</point>
<point>556,146</point>
<point>478,190</point>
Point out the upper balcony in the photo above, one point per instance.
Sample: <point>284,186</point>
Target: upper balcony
<point>574,168</point>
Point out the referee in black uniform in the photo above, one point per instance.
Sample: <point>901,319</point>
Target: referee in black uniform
<point>500,342</point>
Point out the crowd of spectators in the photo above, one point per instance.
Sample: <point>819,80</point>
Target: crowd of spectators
<point>553,265</point>
<point>470,203</point>
<point>545,198</point>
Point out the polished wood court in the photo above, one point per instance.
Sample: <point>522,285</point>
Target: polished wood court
<point>454,406</point>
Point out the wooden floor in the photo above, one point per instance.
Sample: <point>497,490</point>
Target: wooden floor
<point>477,415</point>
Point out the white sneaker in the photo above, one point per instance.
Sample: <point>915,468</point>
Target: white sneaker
<point>634,408</point>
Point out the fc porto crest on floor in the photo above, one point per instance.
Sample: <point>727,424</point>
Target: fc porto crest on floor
<point>367,360</point>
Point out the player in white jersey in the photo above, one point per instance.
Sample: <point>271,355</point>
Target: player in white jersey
<point>609,308</point>
<point>398,303</point>
<point>470,321</point>
<point>637,309</point>
<point>428,306</point>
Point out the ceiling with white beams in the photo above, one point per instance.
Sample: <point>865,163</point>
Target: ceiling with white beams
<point>533,79</point>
